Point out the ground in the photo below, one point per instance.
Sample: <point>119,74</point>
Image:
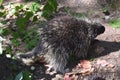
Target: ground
<point>106,51</point>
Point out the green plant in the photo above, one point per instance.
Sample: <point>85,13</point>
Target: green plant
<point>24,75</point>
<point>1,30</point>
<point>21,34</point>
<point>23,16</point>
<point>31,38</point>
<point>1,2</point>
<point>1,49</point>
<point>35,7</point>
<point>1,39</point>
<point>49,8</point>
<point>115,23</point>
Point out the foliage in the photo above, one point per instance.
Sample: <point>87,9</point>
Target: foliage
<point>1,49</point>
<point>31,38</point>
<point>1,39</point>
<point>23,15</point>
<point>21,33</point>
<point>1,2</point>
<point>35,7</point>
<point>24,75</point>
<point>49,8</point>
<point>1,30</point>
<point>115,23</point>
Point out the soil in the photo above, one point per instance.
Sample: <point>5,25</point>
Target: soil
<point>109,50</point>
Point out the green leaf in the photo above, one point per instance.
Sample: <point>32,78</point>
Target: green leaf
<point>35,18</point>
<point>46,14</point>
<point>20,22</point>
<point>1,49</point>
<point>31,38</point>
<point>19,76</point>
<point>6,31</point>
<point>16,34</point>
<point>26,75</point>
<point>35,7</point>
<point>49,8</point>
<point>17,9</point>
<point>15,42</point>
<point>2,14</point>
<point>8,50</point>
<point>1,30</point>
<point>53,3</point>
<point>31,44</point>
<point>115,23</point>
<point>1,7</point>
<point>28,15</point>
<point>12,12</point>
<point>1,1</point>
<point>4,22</point>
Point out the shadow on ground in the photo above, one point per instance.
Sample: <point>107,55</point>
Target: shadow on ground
<point>108,47</point>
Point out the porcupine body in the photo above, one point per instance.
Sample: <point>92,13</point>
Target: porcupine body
<point>63,36</point>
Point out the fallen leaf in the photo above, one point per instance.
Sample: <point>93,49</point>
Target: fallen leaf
<point>103,63</point>
<point>110,65</point>
<point>79,65</point>
<point>86,67</point>
<point>85,64</point>
<point>74,77</point>
<point>67,77</point>
<point>87,71</point>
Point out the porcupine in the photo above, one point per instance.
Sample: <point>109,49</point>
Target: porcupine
<point>63,36</point>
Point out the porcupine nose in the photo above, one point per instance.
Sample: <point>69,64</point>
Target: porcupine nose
<point>101,30</point>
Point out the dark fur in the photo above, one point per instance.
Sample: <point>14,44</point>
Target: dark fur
<point>64,36</point>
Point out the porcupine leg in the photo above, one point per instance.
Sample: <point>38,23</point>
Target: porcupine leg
<point>59,60</point>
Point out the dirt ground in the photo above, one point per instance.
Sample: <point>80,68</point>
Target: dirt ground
<point>109,50</point>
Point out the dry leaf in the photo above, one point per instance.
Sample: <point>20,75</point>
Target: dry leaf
<point>103,63</point>
<point>79,65</point>
<point>87,71</point>
<point>74,77</point>
<point>110,66</point>
<point>85,64</point>
<point>67,77</point>
<point>86,67</point>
